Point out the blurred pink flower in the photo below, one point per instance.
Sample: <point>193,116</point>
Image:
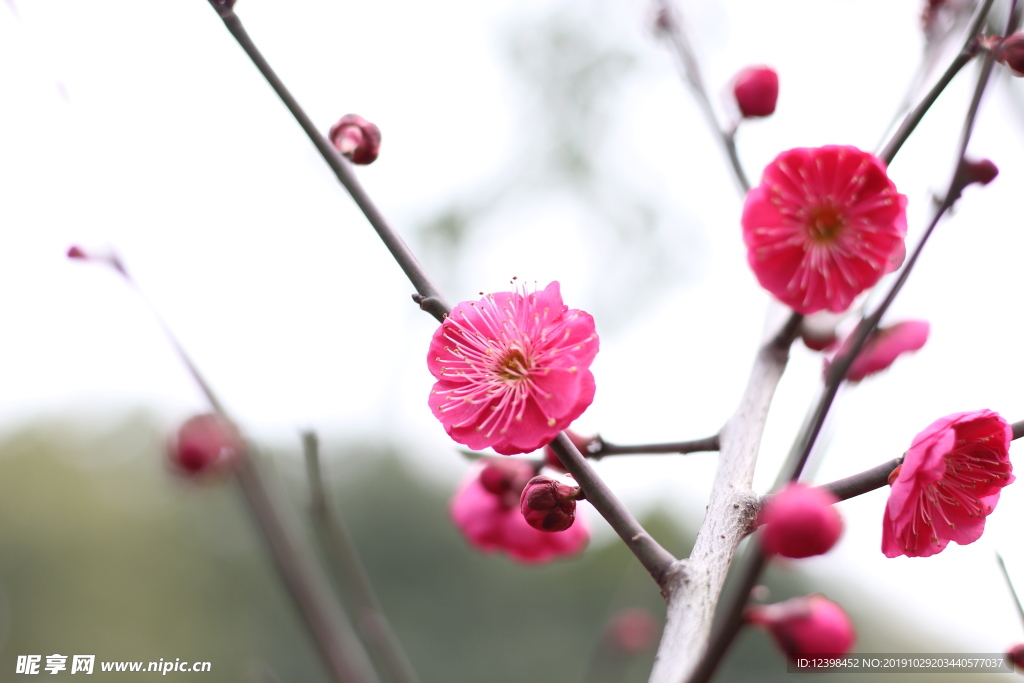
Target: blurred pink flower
<point>883,347</point>
<point>825,224</point>
<point>807,625</point>
<point>492,521</point>
<point>512,369</point>
<point>948,483</point>
<point>800,521</point>
<point>205,445</point>
<point>632,631</point>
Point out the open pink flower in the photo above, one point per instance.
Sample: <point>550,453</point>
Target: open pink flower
<point>492,521</point>
<point>825,224</point>
<point>883,347</point>
<point>948,483</point>
<point>512,369</point>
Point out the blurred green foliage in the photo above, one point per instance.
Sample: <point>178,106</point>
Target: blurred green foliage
<point>105,552</point>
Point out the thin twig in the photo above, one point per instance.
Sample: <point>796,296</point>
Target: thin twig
<point>653,556</point>
<point>342,170</point>
<point>333,634</point>
<point>913,118</point>
<point>600,448</point>
<point>691,72</point>
<point>1009,583</point>
<point>863,482</point>
<point>370,619</point>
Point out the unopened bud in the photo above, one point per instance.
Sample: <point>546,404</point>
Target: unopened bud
<point>800,521</point>
<point>807,625</point>
<point>548,504</point>
<point>1010,51</point>
<point>632,631</point>
<point>356,138</point>
<point>206,444</point>
<point>756,89</point>
<point>981,172</point>
<point>582,444</point>
<point>1015,657</point>
<point>108,258</point>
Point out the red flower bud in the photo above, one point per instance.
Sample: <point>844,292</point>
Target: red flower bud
<point>1015,657</point>
<point>632,631</point>
<point>1010,51</point>
<point>800,521</point>
<point>549,505</point>
<point>756,89</point>
<point>581,443</point>
<point>981,172</point>
<point>356,138</point>
<point>206,444</point>
<point>807,625</point>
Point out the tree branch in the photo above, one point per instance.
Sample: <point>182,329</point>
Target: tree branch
<point>694,584</point>
<point>753,563</point>
<point>652,555</point>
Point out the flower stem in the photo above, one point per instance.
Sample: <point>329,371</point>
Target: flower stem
<point>370,619</point>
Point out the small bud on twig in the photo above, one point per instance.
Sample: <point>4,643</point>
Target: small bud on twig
<point>357,139</point>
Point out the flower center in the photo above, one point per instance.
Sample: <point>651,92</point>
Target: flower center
<point>824,224</point>
<point>514,366</point>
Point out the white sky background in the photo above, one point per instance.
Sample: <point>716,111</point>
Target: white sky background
<point>168,145</point>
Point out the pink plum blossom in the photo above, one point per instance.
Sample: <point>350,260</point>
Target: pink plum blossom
<point>548,504</point>
<point>948,483</point>
<point>883,347</point>
<point>807,625</point>
<point>825,224</point>
<point>800,521</point>
<point>512,369</point>
<point>492,521</point>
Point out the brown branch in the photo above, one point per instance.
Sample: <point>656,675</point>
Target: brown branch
<point>652,555</point>
<point>599,448</point>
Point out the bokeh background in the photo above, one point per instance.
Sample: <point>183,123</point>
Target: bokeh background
<point>545,139</point>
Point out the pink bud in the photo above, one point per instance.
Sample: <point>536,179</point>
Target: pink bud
<point>756,89</point>
<point>1010,51</point>
<point>1015,657</point>
<point>356,138</point>
<point>581,443</point>
<point>800,521</point>
<point>206,444</point>
<point>549,505</point>
<point>632,631</point>
<point>76,252</point>
<point>806,625</point>
<point>981,172</point>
